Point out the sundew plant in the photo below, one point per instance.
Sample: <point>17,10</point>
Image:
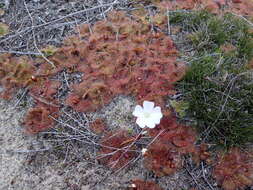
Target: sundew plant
<point>188,62</point>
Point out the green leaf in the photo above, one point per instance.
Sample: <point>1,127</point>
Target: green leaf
<point>49,50</point>
<point>4,29</point>
<point>180,107</point>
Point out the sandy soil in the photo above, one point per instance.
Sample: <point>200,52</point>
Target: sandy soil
<point>11,140</point>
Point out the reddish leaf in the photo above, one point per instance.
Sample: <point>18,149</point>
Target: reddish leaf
<point>234,170</point>
<point>98,126</point>
<point>162,158</point>
<point>116,150</point>
<point>38,119</point>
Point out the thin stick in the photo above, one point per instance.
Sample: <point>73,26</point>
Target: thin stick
<point>168,19</point>
<point>19,100</point>
<point>20,52</point>
<point>45,101</point>
<point>27,151</point>
<point>194,179</point>
<point>34,38</point>
<point>242,17</point>
<point>204,176</point>
<point>65,77</point>
<point>59,19</point>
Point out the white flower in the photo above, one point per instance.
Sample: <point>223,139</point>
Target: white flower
<point>133,185</point>
<point>148,115</point>
<point>143,151</point>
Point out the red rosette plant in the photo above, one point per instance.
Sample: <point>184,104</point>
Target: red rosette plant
<point>202,154</point>
<point>117,149</point>
<point>89,95</point>
<point>40,118</point>
<point>169,130</point>
<point>15,73</point>
<point>234,170</point>
<point>45,89</point>
<point>162,158</point>
<point>119,55</point>
<point>98,126</point>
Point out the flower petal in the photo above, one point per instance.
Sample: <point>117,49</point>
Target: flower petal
<point>156,118</point>
<point>148,106</point>
<point>157,109</point>
<point>138,111</point>
<point>141,122</point>
<point>157,115</point>
<point>150,124</point>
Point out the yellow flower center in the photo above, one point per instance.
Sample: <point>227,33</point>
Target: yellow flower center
<point>146,115</point>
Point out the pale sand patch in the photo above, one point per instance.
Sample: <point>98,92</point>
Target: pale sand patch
<point>12,139</point>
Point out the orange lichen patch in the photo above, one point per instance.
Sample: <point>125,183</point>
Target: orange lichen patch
<point>40,118</point>
<point>138,184</point>
<point>98,126</point>
<point>162,158</point>
<point>115,153</point>
<point>234,170</point>
<point>15,72</point>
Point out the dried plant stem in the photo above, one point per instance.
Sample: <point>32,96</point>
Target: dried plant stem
<point>242,17</point>
<point>204,176</point>
<point>168,20</point>
<point>20,52</point>
<point>59,19</point>
<point>34,38</point>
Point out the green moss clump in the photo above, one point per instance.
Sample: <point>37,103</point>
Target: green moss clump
<point>218,84</point>
<point>208,32</point>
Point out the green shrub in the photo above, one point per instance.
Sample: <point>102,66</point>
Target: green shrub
<point>218,84</point>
